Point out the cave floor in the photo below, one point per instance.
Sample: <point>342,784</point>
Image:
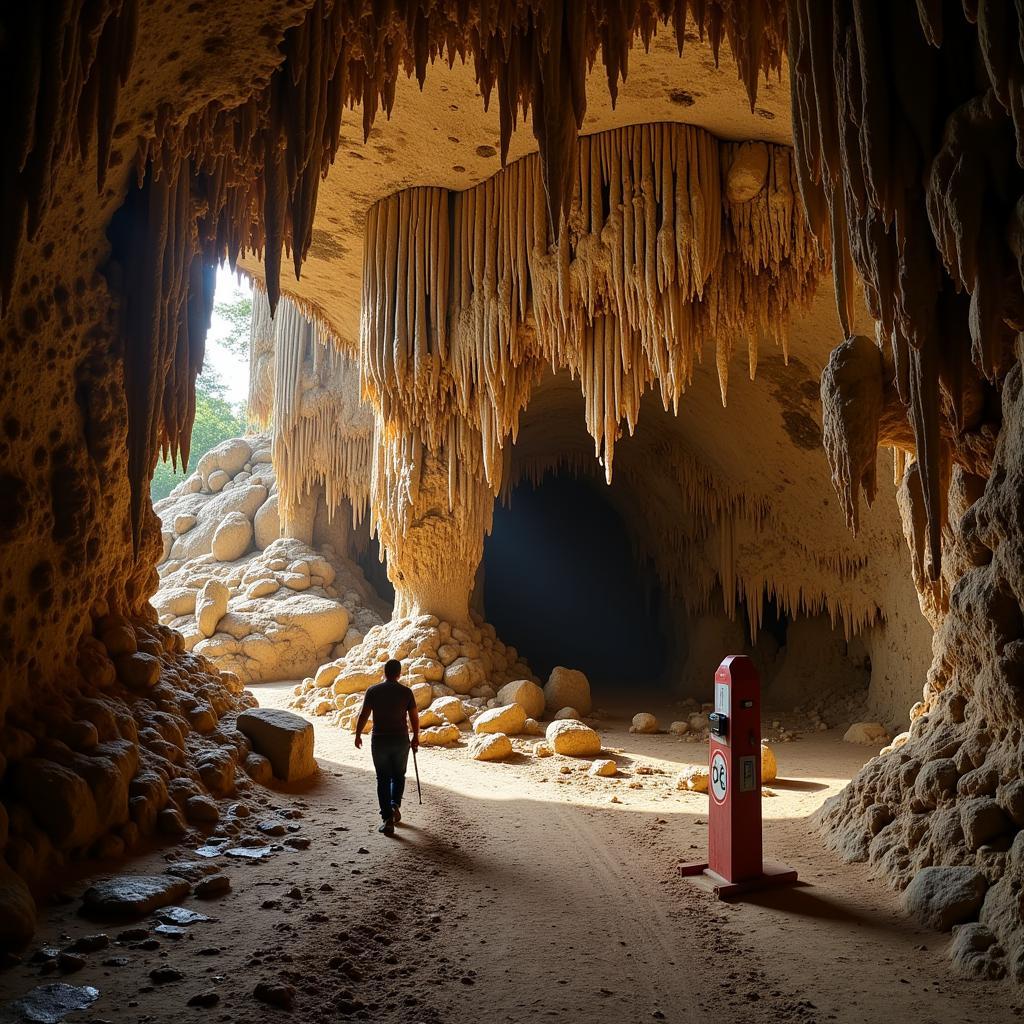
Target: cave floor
<point>517,893</point>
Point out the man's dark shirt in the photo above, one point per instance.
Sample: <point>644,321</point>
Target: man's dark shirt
<point>390,704</point>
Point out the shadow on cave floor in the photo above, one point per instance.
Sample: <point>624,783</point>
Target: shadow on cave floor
<point>517,893</point>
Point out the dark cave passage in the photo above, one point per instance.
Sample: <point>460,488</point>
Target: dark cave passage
<point>562,583</point>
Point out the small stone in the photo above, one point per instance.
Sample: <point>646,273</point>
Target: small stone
<point>165,975</point>
<point>603,767</point>
<point>68,963</point>
<point>213,886</point>
<point>869,734</point>
<point>275,994</point>
<point>204,999</point>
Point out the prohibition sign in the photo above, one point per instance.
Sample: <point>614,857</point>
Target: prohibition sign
<point>719,777</point>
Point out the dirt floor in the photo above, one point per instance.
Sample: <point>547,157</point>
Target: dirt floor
<point>519,893</point>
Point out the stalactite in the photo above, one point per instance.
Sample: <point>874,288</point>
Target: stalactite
<point>468,296</point>
<point>919,165</point>
<point>322,434</point>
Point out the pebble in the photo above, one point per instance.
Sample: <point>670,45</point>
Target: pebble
<point>163,975</point>
<point>275,994</point>
<point>213,886</point>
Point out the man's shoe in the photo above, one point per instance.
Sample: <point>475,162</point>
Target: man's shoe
<point>388,828</point>
<point>396,815</point>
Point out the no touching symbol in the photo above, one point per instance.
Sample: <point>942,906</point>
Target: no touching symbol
<point>719,776</point>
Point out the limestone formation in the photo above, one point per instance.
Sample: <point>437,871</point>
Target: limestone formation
<point>259,604</point>
<point>441,304</point>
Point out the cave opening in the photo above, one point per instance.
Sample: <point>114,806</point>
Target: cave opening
<point>562,581</point>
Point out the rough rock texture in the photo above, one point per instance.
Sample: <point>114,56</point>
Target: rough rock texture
<point>526,694</point>
<point>429,649</point>
<point>567,688</point>
<point>284,739</point>
<point>573,738</point>
<point>492,747</point>
<point>256,603</point>
<point>941,897</point>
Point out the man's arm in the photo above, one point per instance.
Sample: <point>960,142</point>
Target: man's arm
<point>414,722</point>
<point>364,714</point>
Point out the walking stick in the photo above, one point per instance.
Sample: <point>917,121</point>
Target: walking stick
<point>419,792</point>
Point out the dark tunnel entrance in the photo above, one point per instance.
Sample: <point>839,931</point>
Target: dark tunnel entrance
<point>563,583</point>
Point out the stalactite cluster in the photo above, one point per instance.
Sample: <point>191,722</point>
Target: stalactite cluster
<point>468,296</point>
<point>908,126</point>
<point>63,66</point>
<point>254,169</point>
<point>307,388</point>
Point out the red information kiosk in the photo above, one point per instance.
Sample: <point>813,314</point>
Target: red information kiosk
<point>734,861</point>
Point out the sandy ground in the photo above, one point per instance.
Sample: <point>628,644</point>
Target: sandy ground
<point>518,893</point>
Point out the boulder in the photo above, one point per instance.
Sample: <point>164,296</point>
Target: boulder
<point>462,675</point>
<point>509,719</point>
<point>211,606</point>
<point>450,709</point>
<point>422,694</point>
<point>982,820</point>
<point>940,897</point>
<point>285,739</point>
<point>133,896</point>
<point>644,722</point>
<point>679,728</point>
<point>138,671</point>
<point>769,766</point>
<point>869,734</point>
<point>565,713</point>
<point>603,767</point>
<point>17,910</point>
<point>267,523</point>
<point>60,801</point>
<point>529,696</point>
<point>229,456</point>
<point>492,747</point>
<point>572,738</point>
<point>439,735</point>
<point>567,687</point>
<point>232,537</point>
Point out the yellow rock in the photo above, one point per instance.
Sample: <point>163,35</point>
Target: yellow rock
<point>573,738</point>
<point>769,766</point>
<point>603,767</point>
<point>694,778</point>
<point>542,750</point>
<point>439,735</point>
<point>490,747</point>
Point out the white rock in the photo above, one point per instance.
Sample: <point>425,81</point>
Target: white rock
<point>211,605</point>
<point>232,538</point>
<point>565,714</point>
<point>450,709</point>
<point>267,523</point>
<point>218,479</point>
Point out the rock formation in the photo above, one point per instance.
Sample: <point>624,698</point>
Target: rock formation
<point>145,146</point>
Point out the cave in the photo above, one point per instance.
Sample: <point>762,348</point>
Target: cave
<point>558,603</point>
<point>584,339</point>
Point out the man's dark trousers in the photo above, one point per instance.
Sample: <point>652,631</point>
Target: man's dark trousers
<point>390,760</point>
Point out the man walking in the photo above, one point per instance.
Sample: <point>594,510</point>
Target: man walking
<point>390,702</point>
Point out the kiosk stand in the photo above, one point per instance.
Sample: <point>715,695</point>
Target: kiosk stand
<point>734,787</point>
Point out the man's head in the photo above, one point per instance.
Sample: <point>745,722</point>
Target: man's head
<point>392,669</point>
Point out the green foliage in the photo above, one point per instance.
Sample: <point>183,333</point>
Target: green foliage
<point>238,314</point>
<point>216,420</point>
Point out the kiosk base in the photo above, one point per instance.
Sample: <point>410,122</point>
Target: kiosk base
<point>772,876</point>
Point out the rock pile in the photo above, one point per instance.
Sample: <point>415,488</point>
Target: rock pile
<point>439,660</point>
<point>255,603</point>
<point>138,746</point>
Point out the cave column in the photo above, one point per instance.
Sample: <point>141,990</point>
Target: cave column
<point>431,519</point>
